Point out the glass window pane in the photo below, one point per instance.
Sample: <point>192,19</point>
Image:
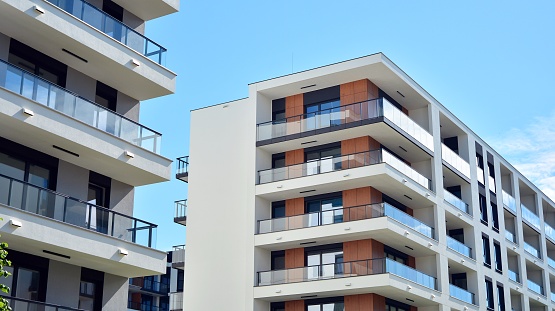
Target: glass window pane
<point>12,167</point>
<point>27,284</point>
<point>38,176</point>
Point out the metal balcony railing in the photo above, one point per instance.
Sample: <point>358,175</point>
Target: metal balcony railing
<point>48,94</point>
<point>182,171</point>
<point>340,116</point>
<point>113,28</point>
<point>41,201</point>
<point>455,160</point>
<point>181,208</point>
<point>343,162</point>
<point>344,215</point>
<point>344,270</point>
<point>26,304</point>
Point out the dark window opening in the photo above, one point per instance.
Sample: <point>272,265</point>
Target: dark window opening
<point>278,260</point>
<point>112,9</point>
<point>495,216</point>
<point>324,209</point>
<point>487,255</point>
<point>98,194</point>
<point>394,203</point>
<point>452,143</point>
<point>497,254</point>
<point>90,290</point>
<point>489,295</point>
<point>382,93</point>
<point>457,234</point>
<point>37,63</point>
<point>180,280</point>
<point>455,190</point>
<point>393,305</point>
<point>324,261</point>
<point>396,255</point>
<point>29,275</point>
<point>278,160</point>
<point>278,109</point>
<point>277,306</point>
<point>500,298</point>
<point>278,209</point>
<point>106,96</point>
<point>483,209</point>
<point>459,280</point>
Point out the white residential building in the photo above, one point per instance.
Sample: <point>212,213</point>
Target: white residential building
<point>349,187</point>
<point>72,150</point>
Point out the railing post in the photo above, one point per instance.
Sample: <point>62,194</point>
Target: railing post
<point>89,218</point>
<point>10,192</point>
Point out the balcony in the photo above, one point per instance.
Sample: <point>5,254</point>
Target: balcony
<point>50,95</point>
<point>132,305</point>
<point>509,236</point>
<point>509,202</point>
<point>182,172</point>
<point>149,9</point>
<point>178,257</point>
<point>91,42</point>
<point>480,175</point>
<point>25,304</point>
<point>377,118</point>
<point>61,220</point>
<point>530,217</point>
<point>176,301</point>
<point>113,28</point>
<point>180,212</point>
<point>455,201</point>
<point>342,163</point>
<point>535,287</point>
<point>514,276</point>
<point>345,270</point>
<point>455,161</point>
<point>149,286</point>
<point>459,247</point>
<point>461,294</point>
<point>549,232</point>
<point>551,262</point>
<point>344,215</point>
<point>531,250</point>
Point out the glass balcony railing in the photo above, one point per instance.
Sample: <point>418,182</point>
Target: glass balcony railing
<point>26,304</point>
<point>551,262</point>
<point>181,208</point>
<point>343,162</point>
<point>455,201</point>
<point>461,294</point>
<point>143,306</point>
<point>340,116</point>
<point>45,93</point>
<point>549,232</point>
<point>455,160</point>
<point>509,202</point>
<point>27,197</point>
<point>344,215</point>
<point>459,247</point>
<point>113,28</point>
<point>530,217</point>
<point>176,301</point>
<point>514,276</point>
<point>343,270</point>
<point>510,236</point>
<point>535,287</point>
<point>480,175</point>
<point>147,284</point>
<point>553,296</point>
<point>531,250</point>
<point>491,184</point>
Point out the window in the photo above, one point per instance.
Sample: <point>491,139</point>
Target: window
<point>164,303</point>
<point>329,304</point>
<point>480,165</point>
<point>278,110</point>
<point>489,295</point>
<point>321,159</point>
<point>90,290</point>
<point>459,280</point>
<point>29,275</point>
<point>278,160</point>
<point>324,261</point>
<point>487,256</point>
<point>277,306</point>
<point>497,254</point>
<point>495,216</point>
<point>278,260</point>
<point>500,298</point>
<point>180,280</point>
<point>392,305</point>
<point>113,9</point>
<point>396,255</point>
<point>483,209</point>
<point>37,63</point>
<point>278,209</point>
<point>326,209</point>
<point>457,234</point>
<point>99,195</point>
<point>452,143</point>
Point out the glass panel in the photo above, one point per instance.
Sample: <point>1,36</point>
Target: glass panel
<point>408,220</point>
<point>27,284</point>
<point>461,294</point>
<point>455,160</point>
<point>12,167</point>
<point>409,273</point>
<point>459,247</point>
<point>86,295</point>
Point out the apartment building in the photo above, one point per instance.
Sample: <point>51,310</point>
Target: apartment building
<point>72,149</point>
<point>349,187</point>
<point>160,292</point>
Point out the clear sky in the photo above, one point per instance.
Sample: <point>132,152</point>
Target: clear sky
<point>491,63</point>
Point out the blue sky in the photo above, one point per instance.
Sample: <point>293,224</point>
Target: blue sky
<point>490,62</point>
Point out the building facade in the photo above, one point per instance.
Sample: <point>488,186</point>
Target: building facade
<point>349,187</point>
<point>72,149</point>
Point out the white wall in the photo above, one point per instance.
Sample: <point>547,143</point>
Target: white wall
<point>63,284</point>
<point>115,292</point>
<point>73,180</point>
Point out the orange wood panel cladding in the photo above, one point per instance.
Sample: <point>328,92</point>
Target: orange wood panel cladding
<point>294,105</point>
<point>359,144</point>
<point>361,197</point>
<point>294,157</point>
<point>362,249</point>
<point>295,305</point>
<point>365,302</point>
<point>358,91</point>
<point>294,258</point>
<point>294,207</point>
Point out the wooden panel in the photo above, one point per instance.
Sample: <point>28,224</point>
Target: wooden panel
<point>373,91</point>
<point>294,207</point>
<point>362,144</point>
<point>379,302</point>
<point>361,86</point>
<point>352,303</point>
<point>289,106</point>
<point>413,308</point>
<point>410,211</point>
<point>299,104</point>
<point>364,249</point>
<point>377,249</point>
<point>348,146</point>
<point>294,305</point>
<point>350,251</point>
<point>364,195</point>
<point>294,157</point>
<point>346,89</point>
<point>294,258</point>
<point>411,262</point>
<point>375,196</point>
<point>366,302</point>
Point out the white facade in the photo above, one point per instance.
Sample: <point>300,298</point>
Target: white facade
<point>395,147</point>
<point>72,149</point>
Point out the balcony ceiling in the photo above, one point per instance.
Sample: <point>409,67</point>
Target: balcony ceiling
<point>149,9</point>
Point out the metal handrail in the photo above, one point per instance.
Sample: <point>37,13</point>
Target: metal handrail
<point>69,103</point>
<point>182,165</point>
<point>108,23</point>
<point>181,208</point>
<point>51,204</point>
<point>36,304</point>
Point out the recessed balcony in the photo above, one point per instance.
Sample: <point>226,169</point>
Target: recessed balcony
<point>455,162</point>
<point>178,257</point>
<point>377,169</point>
<point>90,41</point>
<point>509,202</point>
<point>530,249</point>
<point>148,286</point>
<point>88,234</point>
<point>180,212</point>
<point>514,276</point>
<point>461,294</point>
<point>456,202</point>
<point>530,217</point>
<point>176,301</point>
<point>182,171</point>
<point>355,120</point>
<point>535,287</point>
<point>40,114</point>
<point>459,247</point>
